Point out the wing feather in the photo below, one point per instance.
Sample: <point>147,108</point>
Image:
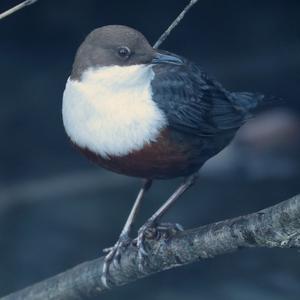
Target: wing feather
<point>193,102</point>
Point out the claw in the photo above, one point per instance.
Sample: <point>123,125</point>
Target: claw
<point>113,257</point>
<point>107,250</point>
<point>142,250</point>
<point>162,230</point>
<point>104,275</point>
<point>140,243</point>
<point>168,229</point>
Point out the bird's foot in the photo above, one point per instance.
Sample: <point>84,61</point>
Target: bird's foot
<point>155,232</point>
<point>113,256</point>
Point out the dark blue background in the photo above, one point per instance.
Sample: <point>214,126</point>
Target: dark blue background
<point>57,209</point>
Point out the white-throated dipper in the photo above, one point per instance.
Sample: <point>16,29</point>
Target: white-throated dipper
<point>147,113</point>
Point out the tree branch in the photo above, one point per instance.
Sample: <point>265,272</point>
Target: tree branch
<point>174,24</point>
<point>276,226</point>
<point>16,8</point>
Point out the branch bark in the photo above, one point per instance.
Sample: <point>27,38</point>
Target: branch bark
<point>277,226</point>
<point>16,8</point>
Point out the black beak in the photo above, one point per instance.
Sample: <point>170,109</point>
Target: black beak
<point>166,58</point>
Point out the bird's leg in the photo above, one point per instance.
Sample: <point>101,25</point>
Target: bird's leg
<point>114,252</point>
<point>152,222</point>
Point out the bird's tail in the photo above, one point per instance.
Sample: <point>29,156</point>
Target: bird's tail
<point>252,103</point>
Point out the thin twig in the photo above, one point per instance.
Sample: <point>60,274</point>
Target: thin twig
<point>174,24</point>
<point>277,226</point>
<point>16,8</point>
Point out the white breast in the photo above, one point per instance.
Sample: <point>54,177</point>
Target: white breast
<point>110,111</point>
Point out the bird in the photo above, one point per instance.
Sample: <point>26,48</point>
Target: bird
<point>148,113</point>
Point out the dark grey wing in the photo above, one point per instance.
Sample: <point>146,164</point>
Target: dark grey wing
<point>193,102</point>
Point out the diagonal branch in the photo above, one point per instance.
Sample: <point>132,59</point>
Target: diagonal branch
<point>174,24</point>
<point>276,226</point>
<point>16,8</point>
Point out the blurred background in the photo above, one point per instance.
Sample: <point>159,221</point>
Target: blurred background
<point>58,210</point>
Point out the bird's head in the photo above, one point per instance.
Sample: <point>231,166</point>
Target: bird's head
<point>117,45</point>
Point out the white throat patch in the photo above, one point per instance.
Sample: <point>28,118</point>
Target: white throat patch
<point>110,111</point>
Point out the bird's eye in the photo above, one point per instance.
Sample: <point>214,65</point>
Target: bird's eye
<point>124,52</point>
